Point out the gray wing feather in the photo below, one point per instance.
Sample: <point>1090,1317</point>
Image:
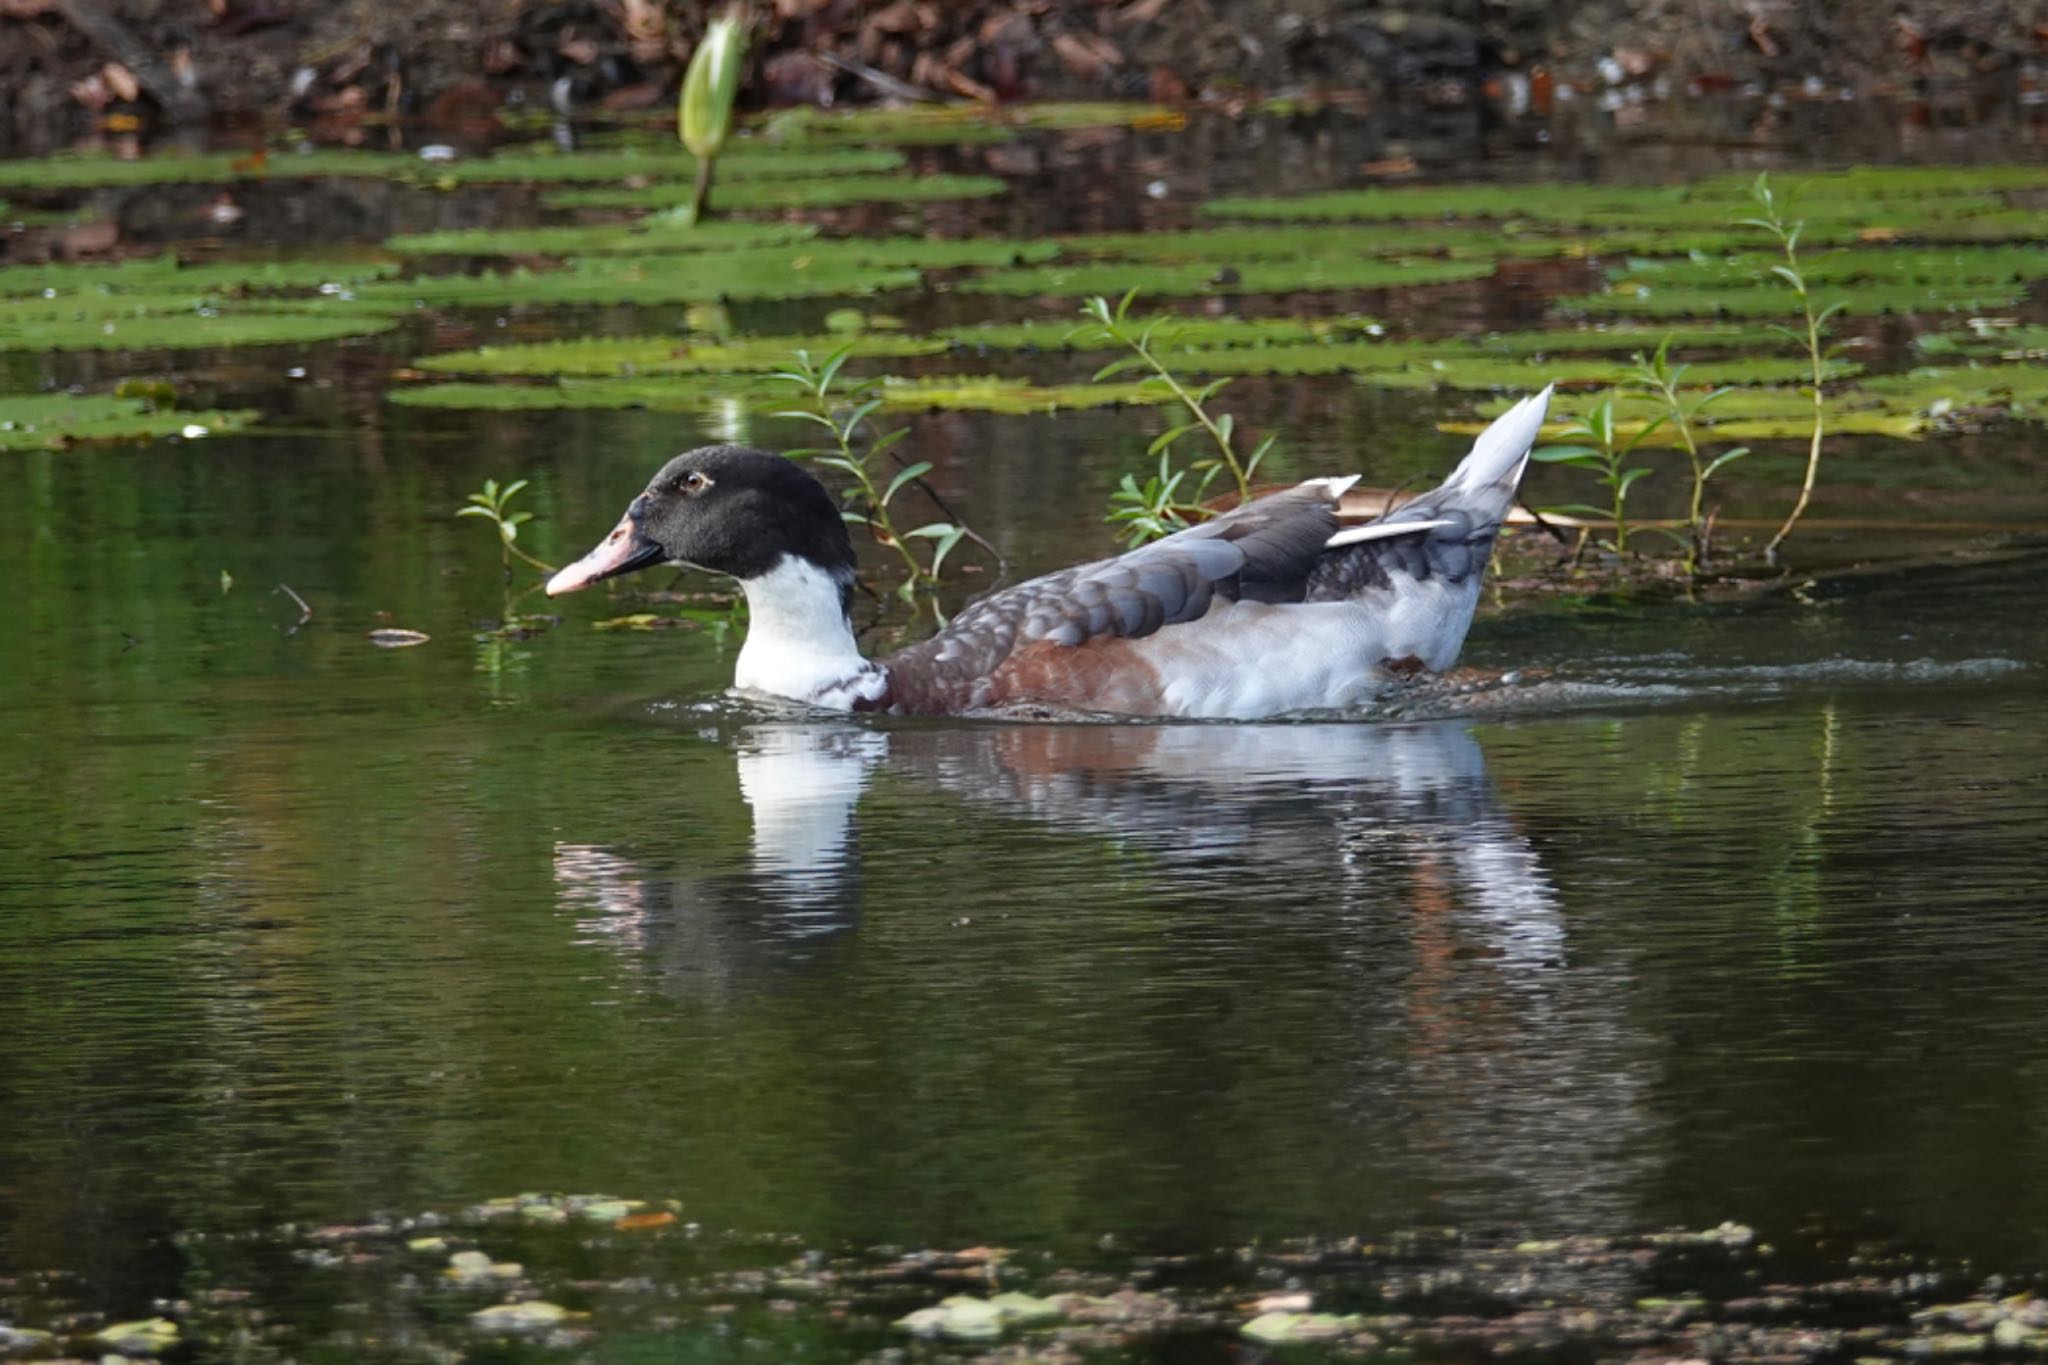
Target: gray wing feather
<point>1265,551</point>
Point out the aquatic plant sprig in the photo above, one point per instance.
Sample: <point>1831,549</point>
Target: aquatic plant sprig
<point>1771,218</point>
<point>870,502</point>
<point>1660,380</point>
<point>1157,507</point>
<point>494,503</point>
<point>1608,457</point>
<point>1149,343</point>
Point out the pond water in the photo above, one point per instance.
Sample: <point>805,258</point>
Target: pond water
<point>1712,910</point>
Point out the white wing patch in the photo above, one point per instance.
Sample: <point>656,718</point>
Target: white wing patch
<point>1380,530</point>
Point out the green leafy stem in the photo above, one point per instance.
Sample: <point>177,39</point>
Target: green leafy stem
<point>871,502</point>
<point>1159,506</point>
<point>493,503</point>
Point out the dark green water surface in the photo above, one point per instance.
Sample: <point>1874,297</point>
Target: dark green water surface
<point>1719,911</point>
<point>1728,911</point>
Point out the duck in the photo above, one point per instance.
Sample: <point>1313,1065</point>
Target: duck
<point>1271,608</point>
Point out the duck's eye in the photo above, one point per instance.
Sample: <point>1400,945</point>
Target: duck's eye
<point>693,483</point>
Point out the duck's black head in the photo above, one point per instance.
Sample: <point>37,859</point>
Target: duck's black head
<point>730,509</point>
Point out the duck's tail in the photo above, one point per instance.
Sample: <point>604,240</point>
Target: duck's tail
<point>1480,490</point>
<point>1485,481</point>
<point>1420,565</point>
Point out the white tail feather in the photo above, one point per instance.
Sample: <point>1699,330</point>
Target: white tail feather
<point>1503,448</point>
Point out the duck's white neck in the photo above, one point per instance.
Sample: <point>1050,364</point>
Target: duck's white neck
<point>799,642</point>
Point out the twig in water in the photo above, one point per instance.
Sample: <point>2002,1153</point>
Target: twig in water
<point>305,612</point>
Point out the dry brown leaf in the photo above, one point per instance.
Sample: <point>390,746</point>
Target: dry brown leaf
<point>89,239</point>
<point>962,84</point>
<point>1078,57</point>
<point>625,99</point>
<point>501,58</point>
<point>122,82</point>
<point>636,1221</point>
<point>1140,12</point>
<point>92,92</point>
<point>1167,86</point>
<point>901,17</point>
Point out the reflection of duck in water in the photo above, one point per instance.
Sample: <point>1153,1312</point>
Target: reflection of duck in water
<point>1286,807</point>
<point>1270,608</point>
<point>1207,942</point>
<point>800,784</point>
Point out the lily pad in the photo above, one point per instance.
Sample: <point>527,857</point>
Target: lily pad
<point>749,159</point>
<point>599,239</point>
<point>166,273</point>
<point>1174,332</point>
<point>995,393</point>
<point>1759,414</point>
<point>1254,277</point>
<point>664,355</point>
<point>534,1315</point>
<point>961,123</point>
<point>926,253</point>
<point>51,421</point>
<point>731,196</point>
<point>1478,372</point>
<point>188,327</point>
<point>1774,299</point>
<point>148,1337</point>
<point>780,273</point>
<point>1298,1329</point>
<point>695,393</point>
<point>675,393</point>
<point>966,1318</point>
<point>1947,266</point>
<point>744,161</point>
<point>1281,241</point>
<point>1982,339</point>
<point>1684,339</point>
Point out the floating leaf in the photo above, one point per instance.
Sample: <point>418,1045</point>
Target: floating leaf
<point>995,393</point>
<point>51,421</point>
<point>784,194</point>
<point>777,273</point>
<point>745,160</point>
<point>1771,299</point>
<point>599,239</point>
<point>1254,277</point>
<point>186,329</point>
<point>959,123</point>
<point>966,1318</point>
<point>160,274</point>
<point>659,355</point>
<point>1296,1329</point>
<point>533,1315</point>
<point>1174,332</point>
<point>148,1337</point>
